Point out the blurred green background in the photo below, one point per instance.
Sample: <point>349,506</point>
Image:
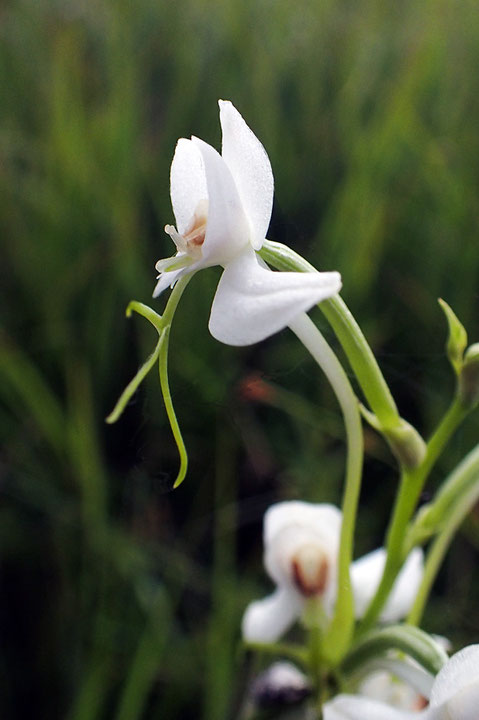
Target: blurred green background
<point>118,597</point>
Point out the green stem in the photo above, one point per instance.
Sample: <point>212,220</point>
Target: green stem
<point>412,483</point>
<point>170,410</point>
<point>175,297</point>
<point>411,640</point>
<point>160,323</point>
<point>355,345</point>
<point>456,486</point>
<point>133,385</point>
<point>451,521</point>
<point>338,635</point>
<point>293,652</point>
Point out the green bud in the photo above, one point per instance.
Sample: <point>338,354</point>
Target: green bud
<point>457,340</point>
<point>405,442</point>
<point>468,388</point>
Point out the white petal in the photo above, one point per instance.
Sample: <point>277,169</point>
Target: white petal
<point>366,574</point>
<point>285,546</point>
<point>464,705</point>
<point>354,707</point>
<point>252,303</point>
<point>405,669</point>
<point>459,676</point>
<point>365,577</point>
<point>266,620</point>
<point>382,686</point>
<point>302,514</point>
<point>405,588</point>
<point>187,183</point>
<point>227,229</point>
<point>251,170</point>
<point>166,280</point>
<point>289,528</point>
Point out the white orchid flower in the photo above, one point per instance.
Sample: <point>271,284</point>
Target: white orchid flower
<point>454,696</point>
<point>222,205</point>
<point>398,680</point>
<point>301,545</point>
<point>391,690</point>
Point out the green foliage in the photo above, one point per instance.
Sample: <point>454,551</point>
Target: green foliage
<point>119,598</point>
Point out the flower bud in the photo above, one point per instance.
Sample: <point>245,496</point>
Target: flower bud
<point>468,388</point>
<point>406,444</point>
<point>457,340</point>
<point>281,685</point>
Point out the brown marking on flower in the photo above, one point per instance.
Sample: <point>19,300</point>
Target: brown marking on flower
<point>310,570</point>
<point>420,703</point>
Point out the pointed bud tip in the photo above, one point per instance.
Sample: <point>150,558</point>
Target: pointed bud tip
<point>457,340</point>
<point>468,386</point>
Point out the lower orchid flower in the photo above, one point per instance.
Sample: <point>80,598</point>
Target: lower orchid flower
<point>454,696</point>
<point>301,545</point>
<point>222,205</point>
<point>385,687</point>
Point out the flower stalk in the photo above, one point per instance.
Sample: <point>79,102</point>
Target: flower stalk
<point>444,516</point>
<point>349,334</point>
<point>162,324</point>
<point>411,485</point>
<point>338,635</point>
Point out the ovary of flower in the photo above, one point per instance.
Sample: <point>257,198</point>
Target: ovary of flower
<point>222,205</point>
<point>301,545</point>
<point>454,696</point>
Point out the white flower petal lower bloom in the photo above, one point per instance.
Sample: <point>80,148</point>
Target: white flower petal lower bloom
<point>301,546</point>
<point>366,574</point>
<point>455,692</point>
<point>454,696</point>
<point>266,620</point>
<point>355,707</point>
<point>387,688</point>
<point>222,206</point>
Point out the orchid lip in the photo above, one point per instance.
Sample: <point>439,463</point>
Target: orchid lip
<point>310,569</point>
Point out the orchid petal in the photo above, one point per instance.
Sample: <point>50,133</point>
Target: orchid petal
<point>252,303</point>
<point>167,279</point>
<point>187,183</point>
<point>297,512</point>
<point>296,533</point>
<point>227,230</point>
<point>354,707</point>
<point>251,169</point>
<point>405,588</point>
<point>366,574</point>
<point>464,704</point>
<point>457,684</point>
<point>410,673</point>
<point>266,620</point>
